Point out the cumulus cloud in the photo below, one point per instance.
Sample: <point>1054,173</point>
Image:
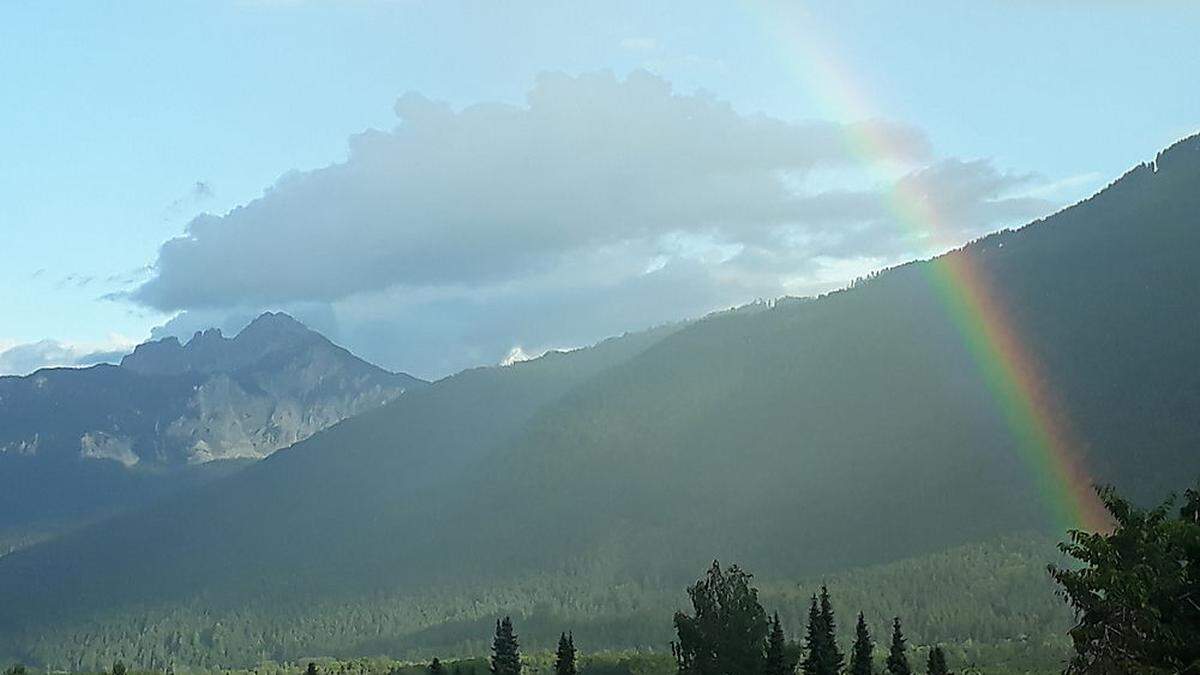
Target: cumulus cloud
<point>599,205</point>
<point>495,191</point>
<point>25,358</point>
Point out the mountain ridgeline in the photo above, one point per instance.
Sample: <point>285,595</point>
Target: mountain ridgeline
<point>800,438</point>
<point>79,443</point>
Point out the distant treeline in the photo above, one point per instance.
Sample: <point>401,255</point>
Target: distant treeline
<point>1135,591</point>
<point>989,603</point>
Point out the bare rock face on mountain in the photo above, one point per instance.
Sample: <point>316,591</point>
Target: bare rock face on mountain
<point>96,438</point>
<point>274,384</point>
<point>211,352</point>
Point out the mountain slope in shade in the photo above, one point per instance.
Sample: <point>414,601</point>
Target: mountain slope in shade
<point>79,442</point>
<point>797,439</point>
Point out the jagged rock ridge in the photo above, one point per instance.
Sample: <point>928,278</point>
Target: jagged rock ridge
<point>170,406</point>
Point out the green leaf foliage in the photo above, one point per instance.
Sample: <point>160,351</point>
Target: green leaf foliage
<point>727,631</point>
<point>1136,589</point>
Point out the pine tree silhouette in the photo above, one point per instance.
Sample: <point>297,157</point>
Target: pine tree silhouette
<point>937,662</point>
<point>824,657</point>
<point>834,659</point>
<point>564,660</point>
<point>897,661</point>
<point>861,655</point>
<point>506,654</point>
<point>812,640</point>
<point>778,661</point>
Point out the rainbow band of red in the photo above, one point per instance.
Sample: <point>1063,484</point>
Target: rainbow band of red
<point>1034,418</point>
<point>1040,433</point>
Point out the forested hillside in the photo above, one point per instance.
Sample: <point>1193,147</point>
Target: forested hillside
<point>800,438</point>
<point>987,603</point>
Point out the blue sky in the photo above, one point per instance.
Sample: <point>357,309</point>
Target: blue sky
<point>123,121</point>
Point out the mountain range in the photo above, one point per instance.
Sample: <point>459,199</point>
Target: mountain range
<point>801,437</point>
<point>76,444</point>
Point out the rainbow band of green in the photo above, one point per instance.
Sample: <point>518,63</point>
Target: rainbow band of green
<point>1040,434</point>
<point>1033,417</point>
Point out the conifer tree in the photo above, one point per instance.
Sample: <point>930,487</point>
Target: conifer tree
<point>778,661</point>
<point>937,662</point>
<point>897,661</point>
<point>812,640</point>
<point>823,657</point>
<point>564,661</point>
<point>506,654</point>
<point>861,655</point>
<point>834,659</point>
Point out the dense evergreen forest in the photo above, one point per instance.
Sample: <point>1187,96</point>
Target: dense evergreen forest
<point>987,603</point>
<point>1133,589</point>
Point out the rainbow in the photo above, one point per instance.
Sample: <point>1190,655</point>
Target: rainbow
<point>1042,438</point>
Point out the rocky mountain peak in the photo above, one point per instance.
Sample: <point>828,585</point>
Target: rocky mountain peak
<point>209,351</point>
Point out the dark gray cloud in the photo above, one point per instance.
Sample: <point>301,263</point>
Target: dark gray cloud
<point>600,205</point>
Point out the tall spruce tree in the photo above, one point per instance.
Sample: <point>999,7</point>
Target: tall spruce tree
<point>823,655</point>
<point>834,659</point>
<point>728,632</point>
<point>564,659</point>
<point>812,640</point>
<point>897,660</point>
<point>506,653</point>
<point>778,661</point>
<point>861,655</point>
<point>937,662</point>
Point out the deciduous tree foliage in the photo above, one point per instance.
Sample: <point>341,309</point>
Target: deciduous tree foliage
<point>727,633</point>
<point>1136,593</point>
